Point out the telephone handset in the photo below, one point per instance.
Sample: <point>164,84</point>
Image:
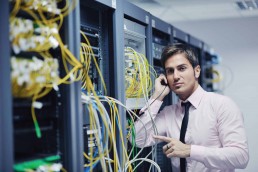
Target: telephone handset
<point>163,83</point>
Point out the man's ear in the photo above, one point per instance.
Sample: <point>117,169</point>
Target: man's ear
<point>197,71</point>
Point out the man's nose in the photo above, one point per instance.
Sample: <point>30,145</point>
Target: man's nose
<point>176,75</point>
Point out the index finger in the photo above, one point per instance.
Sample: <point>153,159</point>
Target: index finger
<point>163,138</point>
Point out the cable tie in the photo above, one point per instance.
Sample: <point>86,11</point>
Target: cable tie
<point>16,49</point>
<point>71,77</point>
<point>56,88</point>
<point>53,42</point>
<point>49,9</point>
<point>56,167</point>
<point>85,98</point>
<point>37,105</point>
<point>40,79</point>
<point>54,30</point>
<point>58,11</point>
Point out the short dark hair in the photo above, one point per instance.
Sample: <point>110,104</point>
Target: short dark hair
<point>179,48</point>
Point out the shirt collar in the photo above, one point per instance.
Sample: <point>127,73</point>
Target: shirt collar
<point>196,97</point>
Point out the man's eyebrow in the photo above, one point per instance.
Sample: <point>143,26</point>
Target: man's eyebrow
<point>182,65</point>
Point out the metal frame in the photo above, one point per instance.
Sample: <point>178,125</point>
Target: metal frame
<point>171,35</point>
<point>195,42</point>
<point>180,35</point>
<point>74,126</point>
<point>109,3</point>
<point>119,66</point>
<point>6,120</point>
<point>160,25</point>
<point>134,12</point>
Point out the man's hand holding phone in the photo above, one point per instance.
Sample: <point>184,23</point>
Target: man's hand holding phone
<point>161,88</point>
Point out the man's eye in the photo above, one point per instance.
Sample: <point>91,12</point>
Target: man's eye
<point>182,68</point>
<point>169,71</point>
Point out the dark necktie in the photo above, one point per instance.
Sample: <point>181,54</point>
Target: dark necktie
<point>182,133</point>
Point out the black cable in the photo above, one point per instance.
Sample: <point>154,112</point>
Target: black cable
<point>153,101</point>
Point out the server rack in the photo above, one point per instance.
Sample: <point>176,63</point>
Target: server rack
<point>137,27</point>
<point>95,22</point>
<point>58,119</point>
<point>161,37</point>
<point>196,45</point>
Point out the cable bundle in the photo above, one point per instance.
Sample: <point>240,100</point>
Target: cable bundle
<point>29,76</point>
<point>48,10</point>
<point>86,58</point>
<point>106,124</point>
<point>37,32</point>
<point>103,123</point>
<point>137,74</point>
<point>30,36</point>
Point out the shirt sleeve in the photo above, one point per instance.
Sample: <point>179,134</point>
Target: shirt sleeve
<point>148,124</point>
<point>234,151</point>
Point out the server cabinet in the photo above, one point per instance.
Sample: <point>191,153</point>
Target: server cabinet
<point>96,23</point>
<point>137,39</point>
<point>42,119</point>
<point>161,37</point>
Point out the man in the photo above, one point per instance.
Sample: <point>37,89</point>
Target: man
<point>209,135</point>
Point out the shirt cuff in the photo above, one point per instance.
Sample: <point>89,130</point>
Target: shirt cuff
<point>197,153</point>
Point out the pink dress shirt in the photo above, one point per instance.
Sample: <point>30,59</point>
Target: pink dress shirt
<point>215,132</point>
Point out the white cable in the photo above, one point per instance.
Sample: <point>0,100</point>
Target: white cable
<point>102,160</point>
<point>88,99</point>
<point>129,112</point>
<point>154,148</point>
<point>148,160</point>
<point>112,132</point>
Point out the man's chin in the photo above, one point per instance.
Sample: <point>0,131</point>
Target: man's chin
<point>177,90</point>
